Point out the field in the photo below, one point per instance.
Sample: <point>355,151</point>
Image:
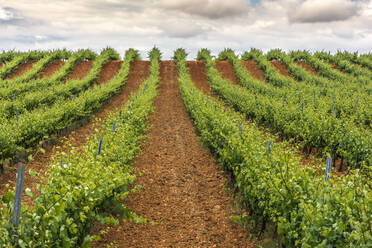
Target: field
<point>257,150</point>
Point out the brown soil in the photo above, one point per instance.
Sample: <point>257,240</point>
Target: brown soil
<point>139,71</point>
<point>184,189</point>
<point>199,77</point>
<point>280,67</point>
<point>80,71</point>
<point>109,70</point>
<point>22,69</point>
<point>197,71</point>
<point>52,68</point>
<point>253,69</point>
<point>226,71</point>
<point>306,66</point>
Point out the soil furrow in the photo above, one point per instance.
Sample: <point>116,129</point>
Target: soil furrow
<point>227,71</point>
<point>184,190</point>
<point>79,137</point>
<point>197,71</point>
<point>22,69</point>
<point>280,67</point>
<point>306,66</point>
<point>253,69</point>
<point>80,70</point>
<point>52,68</point>
<point>109,70</point>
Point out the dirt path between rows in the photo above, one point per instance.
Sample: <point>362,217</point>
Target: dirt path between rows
<point>306,66</point>
<point>280,67</point>
<point>52,68</point>
<point>197,71</point>
<point>79,137</point>
<point>184,189</point>
<point>21,69</point>
<point>253,69</point>
<point>227,71</point>
<point>80,70</point>
<point>108,70</point>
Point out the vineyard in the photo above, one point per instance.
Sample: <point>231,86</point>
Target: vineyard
<point>102,151</point>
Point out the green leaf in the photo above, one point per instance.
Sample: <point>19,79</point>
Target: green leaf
<point>29,193</point>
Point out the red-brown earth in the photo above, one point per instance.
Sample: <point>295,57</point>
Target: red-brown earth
<point>184,193</point>
<point>21,69</point>
<point>52,68</point>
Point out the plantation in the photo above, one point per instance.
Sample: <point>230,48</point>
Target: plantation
<point>175,153</point>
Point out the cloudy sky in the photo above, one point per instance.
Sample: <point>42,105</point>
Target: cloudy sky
<point>192,24</point>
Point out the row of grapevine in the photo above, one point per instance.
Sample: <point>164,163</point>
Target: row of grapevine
<point>8,56</point>
<point>9,90</point>
<point>18,134</point>
<point>344,65</point>
<point>87,182</point>
<point>362,60</point>
<point>340,102</point>
<point>314,128</point>
<point>306,211</point>
<point>327,71</point>
<point>12,65</point>
<point>309,80</point>
<point>37,68</point>
<point>49,95</point>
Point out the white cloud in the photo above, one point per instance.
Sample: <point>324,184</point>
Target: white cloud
<point>182,29</point>
<point>213,9</point>
<point>6,14</point>
<point>9,15</point>
<point>216,24</point>
<point>324,11</point>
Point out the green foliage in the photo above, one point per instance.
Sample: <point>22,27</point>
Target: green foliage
<point>155,54</point>
<point>344,65</point>
<point>111,53</point>
<point>307,211</point>
<point>36,69</point>
<point>327,71</point>
<point>34,125</point>
<point>12,65</point>
<point>315,127</point>
<point>362,59</point>
<point>8,89</point>
<point>8,56</point>
<point>50,95</point>
<point>135,52</point>
<point>75,195</point>
<point>180,54</point>
<point>345,94</point>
